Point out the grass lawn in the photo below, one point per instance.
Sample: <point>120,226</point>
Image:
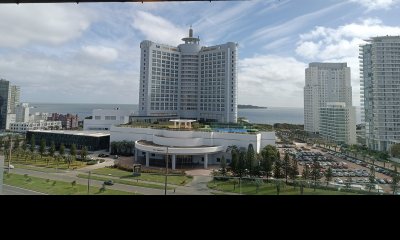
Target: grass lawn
<point>59,188</point>
<point>150,177</point>
<point>127,182</point>
<point>39,169</point>
<point>46,161</point>
<point>269,189</point>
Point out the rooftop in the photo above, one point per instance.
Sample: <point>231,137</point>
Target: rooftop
<point>77,133</point>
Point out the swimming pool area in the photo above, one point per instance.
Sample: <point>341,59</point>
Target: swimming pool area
<point>231,130</point>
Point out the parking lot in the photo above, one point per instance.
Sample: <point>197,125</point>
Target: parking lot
<point>344,168</point>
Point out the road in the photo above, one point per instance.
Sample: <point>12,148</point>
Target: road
<point>11,190</point>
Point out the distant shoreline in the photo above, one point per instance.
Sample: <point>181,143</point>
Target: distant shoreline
<point>250,107</point>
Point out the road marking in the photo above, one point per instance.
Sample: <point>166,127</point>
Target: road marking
<point>25,189</point>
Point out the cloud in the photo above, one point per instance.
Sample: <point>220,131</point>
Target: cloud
<point>42,23</point>
<point>291,26</point>
<point>270,80</point>
<point>101,53</point>
<point>341,44</point>
<point>52,79</point>
<point>377,4</point>
<point>158,29</point>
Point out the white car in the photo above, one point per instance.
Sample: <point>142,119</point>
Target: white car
<point>338,180</point>
<point>11,166</point>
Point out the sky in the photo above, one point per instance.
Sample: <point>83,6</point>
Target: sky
<point>90,52</point>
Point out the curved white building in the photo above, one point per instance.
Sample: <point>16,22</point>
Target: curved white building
<point>186,147</point>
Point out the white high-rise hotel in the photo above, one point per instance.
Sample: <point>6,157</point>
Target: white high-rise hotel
<point>328,106</point>
<point>380,87</point>
<point>189,80</point>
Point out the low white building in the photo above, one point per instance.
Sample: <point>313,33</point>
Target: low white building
<point>103,119</point>
<point>23,127</point>
<point>38,116</point>
<point>11,117</point>
<point>187,147</point>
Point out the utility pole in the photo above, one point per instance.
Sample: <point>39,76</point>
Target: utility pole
<point>166,173</point>
<point>9,159</point>
<point>1,174</point>
<point>88,183</point>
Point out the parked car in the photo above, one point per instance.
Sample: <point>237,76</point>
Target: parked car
<point>11,166</point>
<point>109,182</point>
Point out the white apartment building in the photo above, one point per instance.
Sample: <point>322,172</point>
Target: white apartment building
<point>22,112</point>
<point>23,127</point>
<point>337,123</point>
<point>380,91</point>
<point>190,80</point>
<point>14,97</point>
<point>325,82</point>
<point>103,119</point>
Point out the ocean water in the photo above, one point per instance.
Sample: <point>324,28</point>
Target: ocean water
<point>270,115</point>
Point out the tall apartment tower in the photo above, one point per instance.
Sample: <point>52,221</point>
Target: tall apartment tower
<point>9,97</point>
<point>14,98</point>
<point>190,80</point>
<point>380,91</point>
<point>325,82</point>
<point>22,112</point>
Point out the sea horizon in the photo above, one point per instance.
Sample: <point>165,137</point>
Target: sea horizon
<point>269,115</point>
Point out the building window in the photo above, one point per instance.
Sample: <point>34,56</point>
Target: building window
<point>97,117</point>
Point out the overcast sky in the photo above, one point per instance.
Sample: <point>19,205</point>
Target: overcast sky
<point>89,53</point>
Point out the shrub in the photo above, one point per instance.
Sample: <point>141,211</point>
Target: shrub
<point>91,162</point>
<point>54,183</point>
<point>102,160</point>
<point>26,175</point>
<point>47,180</point>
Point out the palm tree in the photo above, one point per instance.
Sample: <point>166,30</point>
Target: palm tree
<point>52,150</point>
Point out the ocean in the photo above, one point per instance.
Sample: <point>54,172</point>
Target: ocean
<point>270,115</point>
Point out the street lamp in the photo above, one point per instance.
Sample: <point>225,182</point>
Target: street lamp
<point>166,173</point>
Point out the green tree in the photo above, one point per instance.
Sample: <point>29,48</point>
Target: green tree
<point>371,178</point>
<point>306,172</point>
<point>293,170</point>
<point>242,163</point>
<point>42,147</point>
<point>395,180</point>
<point>24,146</point>
<point>17,143</point>
<point>62,149</point>
<point>269,154</point>
<point>72,150</point>
<point>286,165</point>
<point>328,175</point>
<point>395,150</point>
<point>234,161</point>
<point>250,159</point>
<point>315,172</point>
<point>278,169</point>
<point>52,150</point>
<point>84,153</point>
<point>223,166</point>
<point>33,144</point>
